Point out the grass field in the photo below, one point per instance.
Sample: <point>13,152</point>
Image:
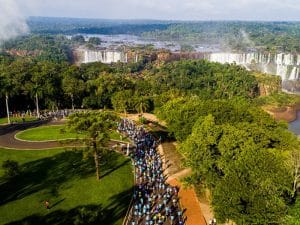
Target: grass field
<point>17,120</point>
<point>70,185</point>
<point>59,132</point>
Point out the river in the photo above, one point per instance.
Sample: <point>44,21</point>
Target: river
<point>295,125</point>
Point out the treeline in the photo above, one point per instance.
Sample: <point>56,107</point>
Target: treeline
<point>247,160</point>
<point>242,36</point>
<point>41,47</point>
<point>71,26</point>
<point>230,35</point>
<point>134,87</point>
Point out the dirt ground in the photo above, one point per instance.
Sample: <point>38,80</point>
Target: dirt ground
<point>189,204</point>
<point>288,114</point>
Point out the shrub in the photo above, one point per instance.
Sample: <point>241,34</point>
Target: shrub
<point>11,168</point>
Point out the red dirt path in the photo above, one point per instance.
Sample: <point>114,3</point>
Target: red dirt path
<point>189,201</point>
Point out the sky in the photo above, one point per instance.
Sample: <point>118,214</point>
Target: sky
<point>164,9</point>
<point>13,13</point>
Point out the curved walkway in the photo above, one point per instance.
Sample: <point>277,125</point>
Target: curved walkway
<point>8,140</point>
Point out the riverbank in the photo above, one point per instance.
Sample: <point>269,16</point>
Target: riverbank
<point>288,114</point>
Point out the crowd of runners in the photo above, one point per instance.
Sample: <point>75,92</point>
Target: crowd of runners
<point>154,201</point>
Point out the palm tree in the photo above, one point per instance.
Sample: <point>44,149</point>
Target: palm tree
<point>142,104</point>
<point>7,88</point>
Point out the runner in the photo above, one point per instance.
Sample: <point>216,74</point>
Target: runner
<point>155,202</point>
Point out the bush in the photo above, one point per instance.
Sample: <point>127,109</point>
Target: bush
<point>86,216</point>
<point>143,120</point>
<point>11,168</point>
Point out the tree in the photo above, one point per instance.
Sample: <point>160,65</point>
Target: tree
<point>142,104</point>
<point>103,88</point>
<point>72,85</point>
<point>3,88</point>
<point>122,101</point>
<point>96,125</point>
<point>7,88</point>
<point>295,158</point>
<point>78,38</point>
<point>94,40</point>
<point>43,82</point>
<point>254,188</point>
<point>246,167</point>
<point>11,168</point>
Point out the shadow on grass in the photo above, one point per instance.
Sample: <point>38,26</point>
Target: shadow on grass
<point>48,174</point>
<point>5,129</point>
<point>85,215</point>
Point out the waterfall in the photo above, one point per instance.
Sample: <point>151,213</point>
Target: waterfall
<point>104,56</point>
<point>285,65</point>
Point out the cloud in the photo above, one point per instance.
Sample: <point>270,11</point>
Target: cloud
<point>12,23</point>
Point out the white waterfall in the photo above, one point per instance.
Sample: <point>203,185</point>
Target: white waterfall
<point>104,56</point>
<point>285,65</point>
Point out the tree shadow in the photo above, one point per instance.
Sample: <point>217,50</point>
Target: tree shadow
<point>88,214</point>
<point>48,174</point>
<point>85,215</point>
<point>164,135</point>
<point>22,126</point>
<point>57,203</point>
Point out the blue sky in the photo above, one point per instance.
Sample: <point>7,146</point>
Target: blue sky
<point>164,9</point>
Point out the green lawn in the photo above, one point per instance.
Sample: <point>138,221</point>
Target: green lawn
<point>59,132</point>
<point>17,120</point>
<point>69,183</point>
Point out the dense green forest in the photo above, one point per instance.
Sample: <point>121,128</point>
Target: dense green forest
<point>41,47</point>
<point>47,25</point>
<point>243,36</point>
<point>97,85</point>
<point>246,159</point>
<point>249,161</point>
<point>230,35</point>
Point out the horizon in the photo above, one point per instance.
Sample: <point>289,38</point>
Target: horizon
<point>160,20</point>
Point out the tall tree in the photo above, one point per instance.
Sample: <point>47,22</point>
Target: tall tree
<point>42,82</point>
<point>96,125</point>
<point>7,88</point>
<point>72,83</point>
<point>246,166</point>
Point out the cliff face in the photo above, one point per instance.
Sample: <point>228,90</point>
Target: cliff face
<point>268,84</point>
<point>166,56</point>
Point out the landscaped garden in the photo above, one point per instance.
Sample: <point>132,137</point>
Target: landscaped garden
<point>56,132</point>
<point>67,180</point>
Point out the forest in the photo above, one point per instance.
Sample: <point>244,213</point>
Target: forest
<point>249,161</point>
<point>229,35</point>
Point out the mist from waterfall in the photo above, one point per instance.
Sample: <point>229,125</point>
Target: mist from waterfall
<point>12,22</point>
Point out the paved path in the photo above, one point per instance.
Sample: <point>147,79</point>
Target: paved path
<point>8,140</point>
<point>8,132</point>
